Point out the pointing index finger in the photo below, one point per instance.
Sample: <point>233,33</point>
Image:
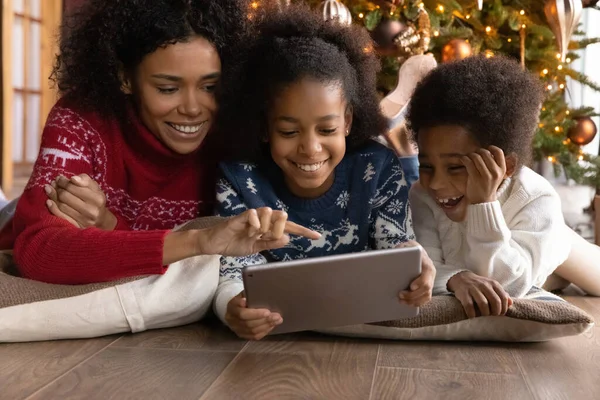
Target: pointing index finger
<point>295,229</point>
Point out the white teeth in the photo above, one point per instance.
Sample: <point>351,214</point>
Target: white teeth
<point>187,128</point>
<point>310,167</point>
<point>444,201</point>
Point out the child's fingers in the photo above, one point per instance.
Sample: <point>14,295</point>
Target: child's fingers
<point>299,230</point>
<point>54,210</point>
<point>256,333</point>
<point>504,298</point>
<point>254,323</point>
<point>491,164</point>
<point>411,295</point>
<point>480,166</point>
<point>494,301</point>
<point>467,302</point>
<point>249,314</point>
<point>418,301</point>
<point>470,166</point>
<point>481,301</point>
<point>498,156</point>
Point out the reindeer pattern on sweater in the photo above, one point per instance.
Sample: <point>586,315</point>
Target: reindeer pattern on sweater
<point>365,209</point>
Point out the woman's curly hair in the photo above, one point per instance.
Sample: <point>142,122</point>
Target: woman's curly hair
<point>493,98</point>
<point>289,46</point>
<point>104,38</point>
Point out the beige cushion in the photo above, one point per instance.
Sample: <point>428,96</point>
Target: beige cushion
<point>539,316</point>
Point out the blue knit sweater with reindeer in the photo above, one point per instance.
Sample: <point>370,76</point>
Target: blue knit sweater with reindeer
<point>366,208</point>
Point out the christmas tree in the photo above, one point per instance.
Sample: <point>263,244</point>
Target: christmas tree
<point>541,34</point>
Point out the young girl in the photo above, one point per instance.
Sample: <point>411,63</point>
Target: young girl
<point>492,226</point>
<point>305,111</point>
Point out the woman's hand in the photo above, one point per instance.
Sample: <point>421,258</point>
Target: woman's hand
<point>420,290</point>
<point>488,294</point>
<point>251,232</point>
<point>250,323</point>
<point>80,201</point>
<point>486,169</point>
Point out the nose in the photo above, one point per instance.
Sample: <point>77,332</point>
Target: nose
<point>190,105</point>
<point>310,145</point>
<point>437,181</point>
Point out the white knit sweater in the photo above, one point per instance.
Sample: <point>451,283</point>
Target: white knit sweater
<point>517,240</point>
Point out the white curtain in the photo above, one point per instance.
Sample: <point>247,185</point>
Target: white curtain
<point>589,64</point>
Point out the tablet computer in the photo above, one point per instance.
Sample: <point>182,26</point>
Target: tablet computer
<point>332,291</point>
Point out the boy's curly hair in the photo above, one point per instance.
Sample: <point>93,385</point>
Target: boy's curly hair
<point>104,38</point>
<point>494,99</point>
<point>289,46</point>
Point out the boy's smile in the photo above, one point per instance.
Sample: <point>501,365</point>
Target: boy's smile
<point>308,125</point>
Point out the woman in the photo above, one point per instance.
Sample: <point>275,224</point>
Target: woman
<point>137,83</point>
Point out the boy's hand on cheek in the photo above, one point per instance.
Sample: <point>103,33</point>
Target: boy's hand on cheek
<point>486,170</point>
<point>250,323</point>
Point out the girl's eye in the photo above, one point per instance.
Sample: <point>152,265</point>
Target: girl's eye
<point>287,133</point>
<point>425,167</point>
<point>210,88</point>
<point>164,90</point>
<point>456,168</point>
<point>330,131</point>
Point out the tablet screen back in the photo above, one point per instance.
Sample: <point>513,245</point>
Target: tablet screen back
<point>324,292</point>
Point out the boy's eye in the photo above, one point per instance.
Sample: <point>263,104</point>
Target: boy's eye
<point>166,90</point>
<point>425,167</point>
<point>456,168</point>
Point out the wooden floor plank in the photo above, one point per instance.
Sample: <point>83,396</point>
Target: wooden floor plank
<point>417,384</point>
<point>450,356</point>
<point>308,369</point>
<point>131,373</point>
<point>209,336</point>
<point>566,368</point>
<point>27,367</point>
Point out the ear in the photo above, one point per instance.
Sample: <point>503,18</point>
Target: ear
<point>512,161</point>
<point>125,82</point>
<point>348,115</point>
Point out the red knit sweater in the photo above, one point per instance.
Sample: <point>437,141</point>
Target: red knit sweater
<point>149,188</point>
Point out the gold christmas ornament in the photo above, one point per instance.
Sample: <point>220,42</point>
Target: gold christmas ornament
<point>415,39</point>
<point>563,17</point>
<point>456,49</point>
<point>333,10</point>
<point>583,132</point>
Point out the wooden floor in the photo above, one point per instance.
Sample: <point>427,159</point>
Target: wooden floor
<point>205,361</point>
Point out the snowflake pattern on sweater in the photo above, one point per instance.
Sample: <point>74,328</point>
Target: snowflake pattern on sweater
<point>365,209</point>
